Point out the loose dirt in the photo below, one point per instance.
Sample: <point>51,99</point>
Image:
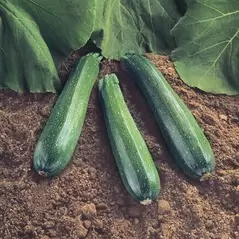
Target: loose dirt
<point>88,199</point>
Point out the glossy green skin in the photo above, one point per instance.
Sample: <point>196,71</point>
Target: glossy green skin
<point>60,135</point>
<point>135,164</point>
<point>182,133</point>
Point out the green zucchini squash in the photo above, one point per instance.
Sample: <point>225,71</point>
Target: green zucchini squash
<point>137,169</point>
<point>185,138</point>
<point>60,135</point>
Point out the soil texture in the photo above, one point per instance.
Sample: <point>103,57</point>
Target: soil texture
<point>88,200</point>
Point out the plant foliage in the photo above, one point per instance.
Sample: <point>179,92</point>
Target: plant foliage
<point>36,35</point>
<point>207,53</point>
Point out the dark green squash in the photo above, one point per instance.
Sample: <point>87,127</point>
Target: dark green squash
<point>135,164</point>
<point>185,138</point>
<point>60,135</point>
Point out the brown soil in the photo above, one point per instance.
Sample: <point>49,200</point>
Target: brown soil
<point>88,199</point>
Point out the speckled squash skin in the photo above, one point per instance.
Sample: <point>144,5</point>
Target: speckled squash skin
<point>60,135</point>
<point>135,164</point>
<point>184,137</point>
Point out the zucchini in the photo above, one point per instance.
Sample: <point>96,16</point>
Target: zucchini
<point>184,137</point>
<point>60,135</point>
<point>137,169</point>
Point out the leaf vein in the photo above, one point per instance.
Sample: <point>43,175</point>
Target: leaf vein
<point>214,63</point>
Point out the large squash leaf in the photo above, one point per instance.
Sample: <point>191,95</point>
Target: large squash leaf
<point>140,26</point>
<point>30,30</point>
<point>1,48</point>
<point>207,56</point>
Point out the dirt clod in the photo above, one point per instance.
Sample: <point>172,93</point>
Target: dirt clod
<point>89,210</point>
<point>223,117</point>
<point>101,206</point>
<point>87,224</point>
<point>163,206</point>
<point>98,224</point>
<point>80,229</point>
<point>209,225</point>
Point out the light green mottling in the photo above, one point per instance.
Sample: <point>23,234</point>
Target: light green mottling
<point>135,164</point>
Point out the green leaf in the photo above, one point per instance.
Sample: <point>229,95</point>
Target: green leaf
<point>188,2</point>
<point>207,56</point>
<point>32,30</point>
<point>181,5</point>
<point>1,48</point>
<point>139,26</point>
